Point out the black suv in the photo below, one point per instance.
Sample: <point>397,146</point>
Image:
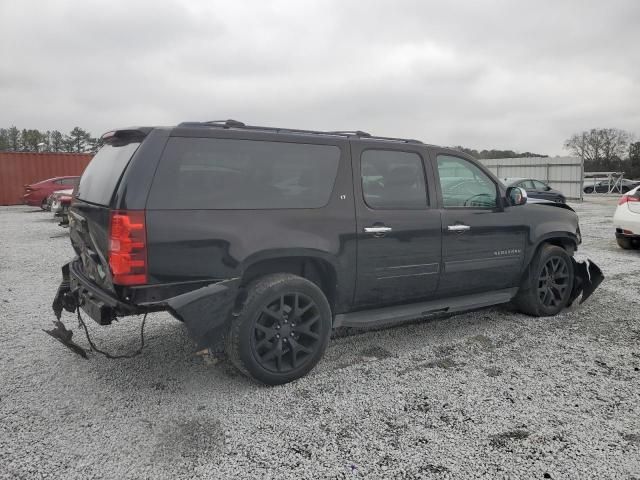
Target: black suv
<point>262,240</point>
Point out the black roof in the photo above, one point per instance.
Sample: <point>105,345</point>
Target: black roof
<point>227,124</point>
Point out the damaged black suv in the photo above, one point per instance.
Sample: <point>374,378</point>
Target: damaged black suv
<point>262,240</point>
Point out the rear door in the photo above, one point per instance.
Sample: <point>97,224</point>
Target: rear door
<point>398,228</point>
<point>483,243</point>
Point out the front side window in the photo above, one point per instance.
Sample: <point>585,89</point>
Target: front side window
<point>229,174</point>
<point>393,180</point>
<point>463,184</point>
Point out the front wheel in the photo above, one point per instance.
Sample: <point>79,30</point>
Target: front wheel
<point>549,283</point>
<point>282,330</point>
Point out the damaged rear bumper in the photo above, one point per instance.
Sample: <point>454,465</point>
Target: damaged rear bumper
<point>205,310</point>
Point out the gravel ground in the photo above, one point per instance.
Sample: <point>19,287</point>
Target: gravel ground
<point>490,394</point>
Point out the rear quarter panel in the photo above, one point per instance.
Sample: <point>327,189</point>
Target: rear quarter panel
<point>203,244</point>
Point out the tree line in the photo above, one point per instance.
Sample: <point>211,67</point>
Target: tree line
<point>603,149</point>
<point>491,154</point>
<point>78,140</point>
<point>607,150</point>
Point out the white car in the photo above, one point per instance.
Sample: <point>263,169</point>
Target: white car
<point>627,219</point>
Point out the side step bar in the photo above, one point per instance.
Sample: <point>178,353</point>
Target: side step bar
<point>412,311</point>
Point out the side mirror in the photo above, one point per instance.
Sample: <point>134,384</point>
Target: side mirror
<point>517,196</point>
<point>547,188</point>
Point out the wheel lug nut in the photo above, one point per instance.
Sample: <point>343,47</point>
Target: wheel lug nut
<point>285,340</point>
<point>293,333</point>
<point>293,325</point>
<point>277,327</point>
<point>277,335</point>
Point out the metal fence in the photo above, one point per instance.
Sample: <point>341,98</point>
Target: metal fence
<point>561,173</point>
<point>20,168</point>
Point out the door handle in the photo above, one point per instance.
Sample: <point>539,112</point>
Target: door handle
<point>458,228</point>
<point>377,229</point>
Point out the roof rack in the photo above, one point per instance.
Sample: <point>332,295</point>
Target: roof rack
<point>342,133</point>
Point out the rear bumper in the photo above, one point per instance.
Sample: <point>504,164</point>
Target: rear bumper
<point>205,310</point>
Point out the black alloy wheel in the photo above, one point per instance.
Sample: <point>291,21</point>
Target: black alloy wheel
<point>553,282</point>
<point>547,283</point>
<point>282,329</point>
<point>286,333</point>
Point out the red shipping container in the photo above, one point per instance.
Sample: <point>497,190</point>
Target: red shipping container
<point>18,169</point>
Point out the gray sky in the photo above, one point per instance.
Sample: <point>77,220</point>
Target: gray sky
<point>483,74</point>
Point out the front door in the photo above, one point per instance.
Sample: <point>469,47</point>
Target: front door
<point>483,243</point>
<point>398,229</point>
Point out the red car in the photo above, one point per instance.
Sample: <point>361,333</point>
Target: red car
<point>36,194</point>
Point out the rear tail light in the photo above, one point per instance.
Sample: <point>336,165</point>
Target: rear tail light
<point>128,247</point>
<point>65,198</point>
<point>628,199</point>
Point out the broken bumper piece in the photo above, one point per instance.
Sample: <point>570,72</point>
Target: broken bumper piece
<point>205,311</point>
<point>587,277</point>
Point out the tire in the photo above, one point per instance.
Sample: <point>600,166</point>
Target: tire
<point>624,243</point>
<point>549,279</point>
<point>261,339</point>
<point>588,190</point>
<point>43,205</point>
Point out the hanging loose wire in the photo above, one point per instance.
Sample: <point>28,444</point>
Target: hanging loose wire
<point>107,354</point>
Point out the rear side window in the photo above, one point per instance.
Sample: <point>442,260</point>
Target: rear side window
<point>227,174</point>
<point>393,180</point>
<point>101,176</point>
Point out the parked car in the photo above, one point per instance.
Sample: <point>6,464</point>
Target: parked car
<point>626,219</point>
<point>60,202</point>
<point>536,189</point>
<point>36,194</point>
<point>604,186</point>
<point>273,237</point>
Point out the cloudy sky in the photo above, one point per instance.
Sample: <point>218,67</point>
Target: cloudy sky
<point>483,74</point>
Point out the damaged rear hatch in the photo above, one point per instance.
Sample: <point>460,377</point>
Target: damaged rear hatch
<point>89,215</point>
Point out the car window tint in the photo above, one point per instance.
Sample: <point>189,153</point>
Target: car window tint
<point>526,184</point>
<point>103,173</point>
<point>227,174</point>
<point>539,185</point>
<point>69,181</point>
<point>393,180</point>
<point>463,184</point>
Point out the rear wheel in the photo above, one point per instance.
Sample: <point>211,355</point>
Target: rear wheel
<point>624,243</point>
<point>282,330</point>
<point>549,283</point>
<point>588,189</point>
<point>43,205</point>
